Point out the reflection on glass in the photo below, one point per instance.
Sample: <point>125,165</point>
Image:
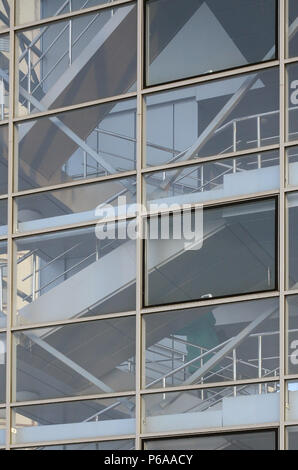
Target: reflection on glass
<point>35,10</point>
<point>292,160</point>
<point>74,360</point>
<point>4,75</point>
<point>292,28</point>
<point>73,274</point>
<point>3,351</point>
<point>292,240</point>
<point>3,283</point>
<point>211,408</point>
<point>3,217</point>
<point>3,159</point>
<point>5,14</point>
<point>214,180</point>
<point>77,60</point>
<point>74,420</point>
<point>292,333</point>
<point>2,426</point>
<point>213,118</point>
<point>76,204</point>
<point>292,101</point>
<point>96,141</point>
<point>105,446</point>
<point>292,437</point>
<point>255,440</point>
<point>212,344</point>
<point>292,401</point>
<point>245,30</point>
<point>211,252</point>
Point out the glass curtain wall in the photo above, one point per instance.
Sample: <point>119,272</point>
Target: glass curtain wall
<point>148,215</point>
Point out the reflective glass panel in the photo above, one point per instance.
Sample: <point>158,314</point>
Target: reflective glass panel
<point>212,344</point>
<point>3,283</point>
<point>292,161</point>
<point>3,217</point>
<point>74,420</point>
<point>2,426</point>
<point>293,102</point>
<point>211,252</point>
<point>3,352</point>
<point>292,401</point>
<point>5,14</point>
<point>214,180</point>
<point>256,440</point>
<point>74,360</point>
<point>292,28</point>
<point>292,202</point>
<point>73,274</point>
<point>177,34</point>
<point>76,204</point>
<point>211,408</point>
<point>212,118</point>
<point>85,143</point>
<point>104,446</point>
<point>77,60</point>
<point>3,159</point>
<point>34,10</point>
<point>292,437</point>
<point>292,340</point>
<point>4,75</point>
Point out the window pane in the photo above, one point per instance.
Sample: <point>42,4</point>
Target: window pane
<point>75,420</point>
<point>5,15</point>
<point>2,426</point>
<point>292,401</point>
<point>215,252</point>
<point>97,60</point>
<point>292,160</point>
<point>3,159</point>
<point>256,440</point>
<point>214,180</point>
<point>293,102</point>
<point>292,436</point>
<point>3,351</point>
<point>4,76</point>
<point>292,240</point>
<point>213,118</point>
<point>292,32</point>
<point>96,141</point>
<point>104,446</point>
<point>35,10</point>
<point>211,408</point>
<point>74,274</point>
<point>3,283</point>
<point>3,217</point>
<point>292,312</point>
<point>212,344</point>
<point>74,360</point>
<point>244,29</point>
<point>75,204</point>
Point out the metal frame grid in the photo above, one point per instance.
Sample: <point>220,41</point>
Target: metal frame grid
<point>139,173</point>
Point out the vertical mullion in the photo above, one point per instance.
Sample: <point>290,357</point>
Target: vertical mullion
<point>139,247</point>
<point>282,215</point>
<point>10,225</point>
